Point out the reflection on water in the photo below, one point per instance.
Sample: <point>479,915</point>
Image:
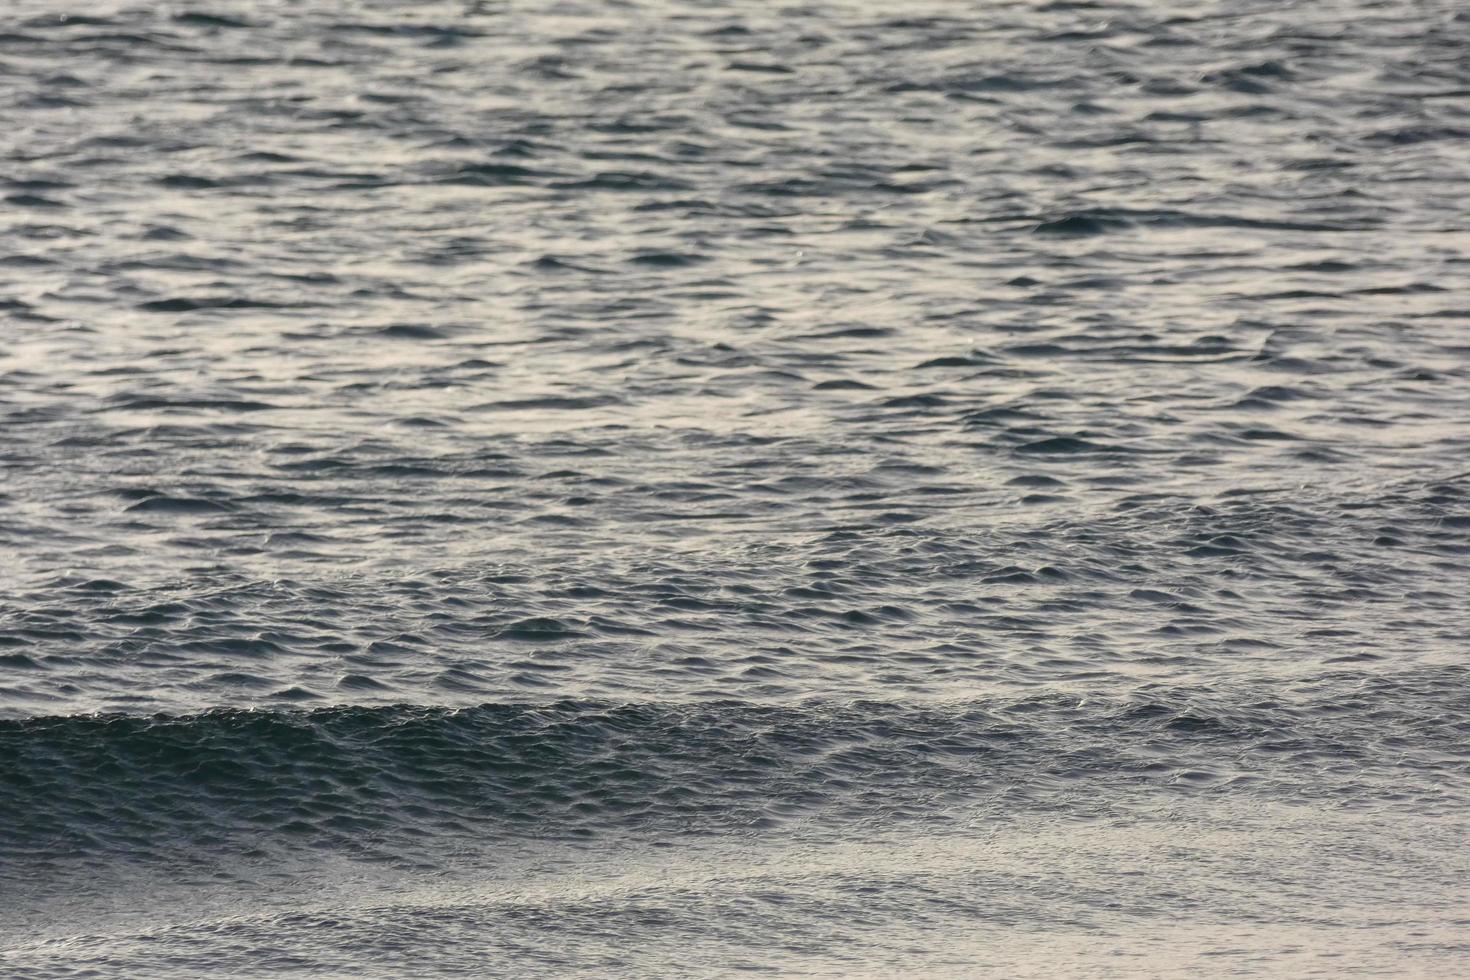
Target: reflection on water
<point>667,489</point>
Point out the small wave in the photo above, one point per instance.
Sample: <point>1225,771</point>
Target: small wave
<point>624,181</point>
<point>555,402</point>
<point>180,505</point>
<point>183,304</point>
<point>1100,221</point>
<point>358,778</point>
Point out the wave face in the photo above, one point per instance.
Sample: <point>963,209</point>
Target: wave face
<point>510,488</point>
<point>391,781</point>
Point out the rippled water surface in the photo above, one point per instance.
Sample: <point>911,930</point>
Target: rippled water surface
<point>677,489</point>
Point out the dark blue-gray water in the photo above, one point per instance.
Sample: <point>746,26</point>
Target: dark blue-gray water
<point>671,488</point>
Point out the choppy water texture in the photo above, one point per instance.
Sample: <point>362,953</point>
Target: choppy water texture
<point>678,489</point>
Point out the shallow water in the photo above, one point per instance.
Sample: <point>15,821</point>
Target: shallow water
<point>684,489</point>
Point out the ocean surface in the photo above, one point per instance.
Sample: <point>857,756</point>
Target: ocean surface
<point>687,489</point>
